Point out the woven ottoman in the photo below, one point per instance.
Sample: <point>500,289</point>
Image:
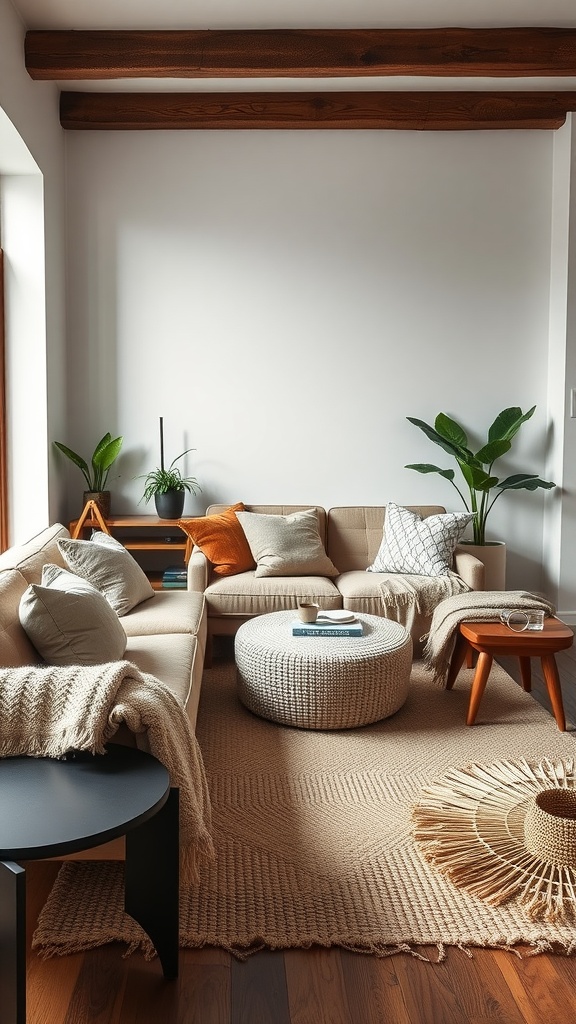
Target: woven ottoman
<point>322,682</point>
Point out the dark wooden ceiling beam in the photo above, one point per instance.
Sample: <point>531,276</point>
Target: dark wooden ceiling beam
<point>440,111</point>
<point>315,53</point>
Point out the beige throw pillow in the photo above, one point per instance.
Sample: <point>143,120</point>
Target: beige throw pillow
<point>106,563</point>
<point>69,621</point>
<point>286,545</point>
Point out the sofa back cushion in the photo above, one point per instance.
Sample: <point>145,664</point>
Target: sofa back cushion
<point>30,557</point>
<point>354,533</point>
<point>15,647</point>
<point>280,510</point>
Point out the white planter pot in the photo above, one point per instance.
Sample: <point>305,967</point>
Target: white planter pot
<point>493,555</point>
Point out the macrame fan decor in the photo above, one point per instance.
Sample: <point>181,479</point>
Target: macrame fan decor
<point>505,831</point>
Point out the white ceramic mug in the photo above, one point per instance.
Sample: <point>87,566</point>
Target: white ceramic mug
<point>308,611</point>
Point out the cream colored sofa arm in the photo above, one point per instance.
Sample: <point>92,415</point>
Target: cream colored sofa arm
<point>198,568</point>
<point>470,568</point>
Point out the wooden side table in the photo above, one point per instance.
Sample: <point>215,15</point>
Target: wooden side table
<point>493,638</point>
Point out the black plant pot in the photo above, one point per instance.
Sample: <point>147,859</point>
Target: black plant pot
<point>170,505</point>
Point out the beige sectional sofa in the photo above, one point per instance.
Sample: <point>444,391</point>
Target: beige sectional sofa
<point>351,536</point>
<point>166,634</point>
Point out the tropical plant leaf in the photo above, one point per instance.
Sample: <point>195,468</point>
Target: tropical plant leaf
<point>76,459</point>
<point>492,451</point>
<point>425,467</point>
<point>524,481</point>
<point>508,423</point>
<point>450,430</point>
<point>437,438</point>
<point>109,453</point>
<point>477,478</point>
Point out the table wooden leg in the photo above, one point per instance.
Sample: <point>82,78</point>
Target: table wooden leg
<point>478,685</point>
<point>460,649</point>
<point>151,888</point>
<point>12,943</point>
<point>525,673</point>
<point>554,689</point>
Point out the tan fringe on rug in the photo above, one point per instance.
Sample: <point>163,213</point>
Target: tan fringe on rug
<point>313,833</point>
<point>471,826</point>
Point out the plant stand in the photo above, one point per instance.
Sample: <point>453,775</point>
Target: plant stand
<point>91,515</point>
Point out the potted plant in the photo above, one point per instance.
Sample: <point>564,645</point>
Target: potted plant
<point>483,486</point>
<point>167,486</point>
<point>96,473</point>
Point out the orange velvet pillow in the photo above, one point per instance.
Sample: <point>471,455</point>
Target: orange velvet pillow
<point>221,538</point>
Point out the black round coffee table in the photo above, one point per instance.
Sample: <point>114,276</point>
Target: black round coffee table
<point>50,807</point>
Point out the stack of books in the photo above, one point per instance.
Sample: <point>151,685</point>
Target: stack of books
<point>175,577</point>
<point>336,623</point>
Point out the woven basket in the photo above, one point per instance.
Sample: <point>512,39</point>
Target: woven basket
<point>550,826</point>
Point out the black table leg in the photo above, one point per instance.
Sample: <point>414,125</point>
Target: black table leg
<point>12,943</point>
<point>152,881</point>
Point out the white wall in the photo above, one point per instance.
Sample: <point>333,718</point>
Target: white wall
<point>253,287</point>
<point>32,213</point>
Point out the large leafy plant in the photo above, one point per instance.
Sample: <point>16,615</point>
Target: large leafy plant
<point>105,453</point>
<point>477,467</point>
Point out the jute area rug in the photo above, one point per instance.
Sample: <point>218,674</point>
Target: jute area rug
<point>313,832</point>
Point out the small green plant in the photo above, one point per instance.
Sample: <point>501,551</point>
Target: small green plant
<point>476,467</point>
<point>105,454</point>
<point>159,481</point>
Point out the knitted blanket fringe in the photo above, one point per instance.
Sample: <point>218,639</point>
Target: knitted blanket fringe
<point>477,605</point>
<point>405,590</point>
<point>49,711</point>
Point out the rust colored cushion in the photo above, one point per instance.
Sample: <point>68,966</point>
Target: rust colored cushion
<point>221,538</point>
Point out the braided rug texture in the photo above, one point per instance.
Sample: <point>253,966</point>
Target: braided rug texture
<point>314,833</point>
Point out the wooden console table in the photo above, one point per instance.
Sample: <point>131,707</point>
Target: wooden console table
<point>156,537</point>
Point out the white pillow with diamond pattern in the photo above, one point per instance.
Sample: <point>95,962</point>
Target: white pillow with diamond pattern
<point>424,547</point>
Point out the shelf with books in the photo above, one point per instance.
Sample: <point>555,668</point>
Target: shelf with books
<point>155,543</point>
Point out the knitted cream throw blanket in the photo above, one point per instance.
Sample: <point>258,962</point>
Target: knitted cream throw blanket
<point>405,595</point>
<point>47,711</point>
<point>474,606</point>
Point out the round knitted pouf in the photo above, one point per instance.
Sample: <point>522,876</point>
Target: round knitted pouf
<point>322,682</point>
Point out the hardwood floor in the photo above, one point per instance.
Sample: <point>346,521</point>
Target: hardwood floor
<point>316,986</point>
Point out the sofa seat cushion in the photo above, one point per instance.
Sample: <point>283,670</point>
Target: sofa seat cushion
<point>361,591</point>
<point>15,646</point>
<point>246,594</point>
<point>178,611</point>
<point>168,656</point>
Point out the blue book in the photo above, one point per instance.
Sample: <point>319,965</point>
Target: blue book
<point>326,628</point>
<point>175,572</point>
